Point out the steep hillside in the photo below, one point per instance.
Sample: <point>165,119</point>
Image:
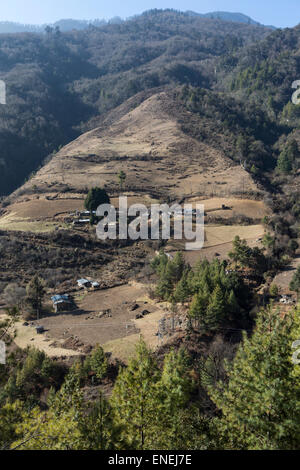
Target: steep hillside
<point>150,145</point>
<point>58,81</point>
<point>264,76</point>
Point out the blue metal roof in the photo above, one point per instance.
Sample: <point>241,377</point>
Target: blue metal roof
<point>60,298</point>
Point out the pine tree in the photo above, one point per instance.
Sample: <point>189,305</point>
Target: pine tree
<point>215,310</point>
<point>99,428</point>
<point>59,427</point>
<point>97,363</point>
<point>174,391</point>
<point>261,403</point>
<point>232,303</point>
<point>122,178</point>
<point>96,196</point>
<point>295,283</point>
<point>198,307</point>
<point>175,380</point>
<point>10,417</point>
<point>241,252</point>
<point>182,292</point>
<point>35,293</point>
<point>134,398</point>
<point>284,162</point>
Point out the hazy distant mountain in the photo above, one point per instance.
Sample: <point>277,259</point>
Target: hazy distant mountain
<point>10,27</point>
<point>64,25</point>
<point>70,24</point>
<point>228,16</point>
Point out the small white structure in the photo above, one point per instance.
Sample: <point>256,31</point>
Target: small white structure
<point>286,299</point>
<point>84,283</point>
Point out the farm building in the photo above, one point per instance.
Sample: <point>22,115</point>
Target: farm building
<point>95,285</point>
<point>62,303</point>
<point>40,330</point>
<point>84,283</point>
<point>87,284</point>
<point>86,213</point>
<point>81,222</point>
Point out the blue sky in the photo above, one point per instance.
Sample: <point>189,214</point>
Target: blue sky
<point>277,12</point>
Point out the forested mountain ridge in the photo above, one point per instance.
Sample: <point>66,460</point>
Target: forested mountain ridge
<point>69,24</point>
<point>264,72</point>
<point>58,81</point>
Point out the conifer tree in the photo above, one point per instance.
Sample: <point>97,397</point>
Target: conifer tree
<point>134,398</point>
<point>35,293</point>
<point>295,283</point>
<point>232,303</point>
<point>174,390</point>
<point>261,403</point>
<point>215,310</point>
<point>182,291</point>
<point>198,308</point>
<point>97,363</point>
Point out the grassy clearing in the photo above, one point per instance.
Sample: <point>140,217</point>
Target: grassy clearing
<point>20,224</point>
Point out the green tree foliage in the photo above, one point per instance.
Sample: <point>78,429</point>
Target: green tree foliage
<point>148,402</point>
<point>248,134</point>
<point>96,197</point>
<point>134,398</point>
<point>274,290</point>
<point>100,430</point>
<point>122,179</point>
<point>182,292</point>
<point>10,417</point>
<point>289,158</point>
<point>59,428</point>
<point>261,404</point>
<point>244,256</point>
<point>284,163</point>
<point>35,291</point>
<point>170,272</point>
<point>28,376</point>
<point>7,325</point>
<point>96,363</point>
<point>217,295</point>
<point>241,252</point>
<point>295,283</point>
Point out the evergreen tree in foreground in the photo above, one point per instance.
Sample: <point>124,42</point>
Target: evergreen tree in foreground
<point>134,398</point>
<point>261,404</point>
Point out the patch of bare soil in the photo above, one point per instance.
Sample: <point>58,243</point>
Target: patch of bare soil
<point>103,316</point>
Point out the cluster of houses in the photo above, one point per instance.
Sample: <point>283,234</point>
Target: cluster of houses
<point>81,217</point>
<point>65,303</point>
